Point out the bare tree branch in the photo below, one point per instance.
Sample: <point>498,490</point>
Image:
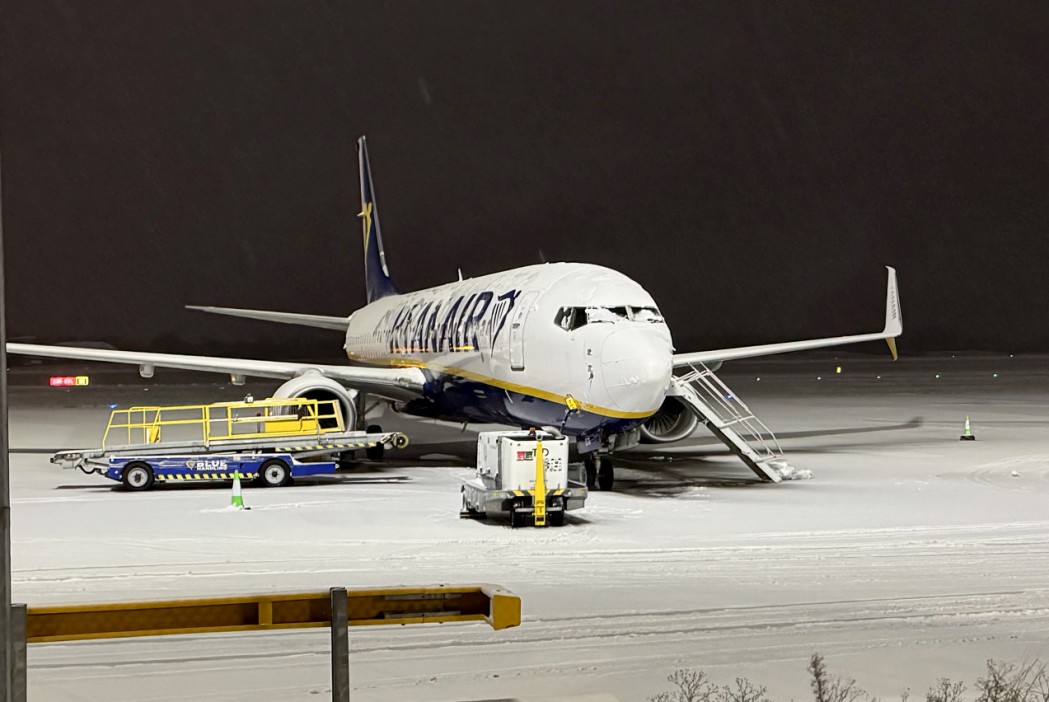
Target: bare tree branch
<point>742,691</point>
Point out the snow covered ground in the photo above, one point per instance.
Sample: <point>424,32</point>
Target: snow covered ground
<point>909,556</point>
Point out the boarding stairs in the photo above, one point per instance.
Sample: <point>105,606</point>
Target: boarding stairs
<point>731,421</point>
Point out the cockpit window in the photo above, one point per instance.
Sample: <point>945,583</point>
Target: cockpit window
<point>604,314</point>
<point>646,314</point>
<point>569,318</point>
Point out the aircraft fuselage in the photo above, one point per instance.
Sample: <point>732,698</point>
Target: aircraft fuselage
<point>569,345</point>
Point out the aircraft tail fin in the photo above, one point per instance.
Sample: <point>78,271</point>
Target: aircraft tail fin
<point>376,276</point>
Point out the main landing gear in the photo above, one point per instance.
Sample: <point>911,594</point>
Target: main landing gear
<point>599,472</point>
<point>375,453</point>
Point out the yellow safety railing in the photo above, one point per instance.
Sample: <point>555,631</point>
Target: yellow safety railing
<point>393,605</point>
<point>224,421</point>
<point>337,609</point>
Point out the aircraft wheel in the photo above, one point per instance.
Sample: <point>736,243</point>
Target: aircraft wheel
<point>375,452</point>
<point>606,474</point>
<point>590,466</point>
<point>137,476</point>
<point>274,473</point>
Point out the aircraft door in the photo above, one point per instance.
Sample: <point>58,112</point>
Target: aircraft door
<point>517,326</point>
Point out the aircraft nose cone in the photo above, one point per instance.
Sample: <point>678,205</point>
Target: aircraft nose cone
<point>636,366</point>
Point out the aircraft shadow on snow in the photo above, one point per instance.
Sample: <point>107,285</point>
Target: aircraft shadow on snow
<point>648,471</point>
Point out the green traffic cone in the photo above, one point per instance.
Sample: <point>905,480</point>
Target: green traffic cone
<point>236,500</point>
<point>967,432</point>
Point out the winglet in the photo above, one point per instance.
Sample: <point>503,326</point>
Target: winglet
<point>376,276</point>
<point>893,314</point>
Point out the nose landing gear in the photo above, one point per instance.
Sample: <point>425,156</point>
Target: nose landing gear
<point>599,472</point>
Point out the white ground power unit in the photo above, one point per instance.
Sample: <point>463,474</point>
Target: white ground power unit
<point>509,479</point>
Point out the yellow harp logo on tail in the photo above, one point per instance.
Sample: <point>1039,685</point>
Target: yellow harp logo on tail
<point>366,215</point>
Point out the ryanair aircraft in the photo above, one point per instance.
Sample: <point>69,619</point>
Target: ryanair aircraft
<point>575,347</point>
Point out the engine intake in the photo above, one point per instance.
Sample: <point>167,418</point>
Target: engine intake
<point>314,386</point>
<point>673,422</point>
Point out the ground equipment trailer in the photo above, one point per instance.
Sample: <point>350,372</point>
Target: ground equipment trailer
<point>271,441</point>
<point>524,474</point>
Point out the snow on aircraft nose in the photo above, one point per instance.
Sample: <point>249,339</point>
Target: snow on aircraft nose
<point>636,366</point>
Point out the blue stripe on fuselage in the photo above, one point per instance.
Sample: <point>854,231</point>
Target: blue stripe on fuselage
<point>453,398</point>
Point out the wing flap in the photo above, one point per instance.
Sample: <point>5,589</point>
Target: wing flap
<point>893,328</point>
<point>393,383</point>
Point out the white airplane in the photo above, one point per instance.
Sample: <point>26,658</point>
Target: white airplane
<point>573,346</point>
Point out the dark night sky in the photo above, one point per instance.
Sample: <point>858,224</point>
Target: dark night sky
<point>752,165</point>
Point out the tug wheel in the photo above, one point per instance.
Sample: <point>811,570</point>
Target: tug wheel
<point>137,476</point>
<point>274,473</point>
<point>518,519</point>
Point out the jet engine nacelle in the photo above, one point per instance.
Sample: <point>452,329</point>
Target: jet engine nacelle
<point>673,422</point>
<point>314,386</point>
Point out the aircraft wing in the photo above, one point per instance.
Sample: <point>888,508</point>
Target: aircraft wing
<point>393,383</point>
<point>302,320</point>
<point>893,328</point>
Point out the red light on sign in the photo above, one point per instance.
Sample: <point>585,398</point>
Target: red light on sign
<point>68,381</point>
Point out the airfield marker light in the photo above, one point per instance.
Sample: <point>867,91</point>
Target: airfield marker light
<point>878,377</point>
<point>758,379</point>
<point>995,375</point>
<point>819,377</point>
<point>838,370</point>
<point>112,405</point>
<point>937,376</point>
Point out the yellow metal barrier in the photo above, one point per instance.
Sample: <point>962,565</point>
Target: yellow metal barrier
<point>224,421</point>
<point>399,605</point>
